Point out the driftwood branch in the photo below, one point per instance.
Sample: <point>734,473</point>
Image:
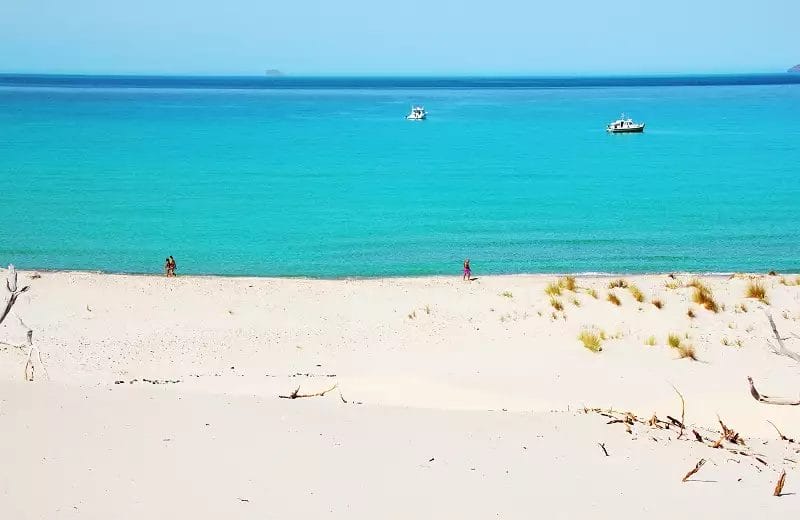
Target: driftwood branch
<point>297,395</point>
<point>781,350</point>
<point>770,400</point>
<point>14,292</point>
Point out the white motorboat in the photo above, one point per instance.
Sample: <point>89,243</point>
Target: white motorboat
<point>625,126</point>
<point>417,114</point>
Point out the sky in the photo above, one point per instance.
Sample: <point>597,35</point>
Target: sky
<point>412,37</point>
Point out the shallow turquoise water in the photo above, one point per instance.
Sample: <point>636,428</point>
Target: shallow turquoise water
<point>334,182</point>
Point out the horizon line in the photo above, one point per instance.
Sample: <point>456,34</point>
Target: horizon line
<point>504,75</point>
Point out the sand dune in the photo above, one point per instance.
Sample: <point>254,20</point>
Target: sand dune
<point>485,377</point>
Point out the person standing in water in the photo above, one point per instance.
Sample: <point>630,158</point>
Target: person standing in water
<point>467,270</point>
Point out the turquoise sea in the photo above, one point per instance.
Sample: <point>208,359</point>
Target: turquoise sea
<point>324,177</point>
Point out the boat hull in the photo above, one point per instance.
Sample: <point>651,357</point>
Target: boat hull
<point>630,130</point>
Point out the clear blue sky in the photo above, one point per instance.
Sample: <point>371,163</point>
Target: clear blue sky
<point>306,37</point>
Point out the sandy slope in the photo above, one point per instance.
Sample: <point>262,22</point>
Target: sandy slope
<point>445,369</point>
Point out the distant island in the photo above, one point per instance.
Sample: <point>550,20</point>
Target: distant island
<point>273,72</point>
<point>796,68</point>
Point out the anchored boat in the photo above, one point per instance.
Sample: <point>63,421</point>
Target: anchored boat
<point>417,114</point>
<point>625,126</point>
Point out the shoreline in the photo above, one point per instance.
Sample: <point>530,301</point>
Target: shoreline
<point>583,274</point>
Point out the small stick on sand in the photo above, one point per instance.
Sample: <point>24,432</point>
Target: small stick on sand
<point>782,436</point>
<point>603,447</point>
<point>683,412</point>
<point>729,434</point>
<point>297,395</point>
<point>779,485</point>
<point>694,470</point>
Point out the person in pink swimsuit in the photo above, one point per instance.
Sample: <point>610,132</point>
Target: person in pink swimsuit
<point>467,270</point>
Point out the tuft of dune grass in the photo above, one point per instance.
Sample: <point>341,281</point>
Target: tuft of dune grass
<point>686,350</point>
<point>756,289</point>
<point>651,341</point>
<point>556,303</point>
<point>619,282</point>
<point>613,299</point>
<point>637,294</point>
<point>507,294</point>
<point>568,283</point>
<point>590,340</point>
<point>790,283</point>
<point>592,293</point>
<point>698,284</point>
<point>553,289</point>
<point>705,298</point>
<point>658,303</point>
<point>673,340</point>
<point>576,302</point>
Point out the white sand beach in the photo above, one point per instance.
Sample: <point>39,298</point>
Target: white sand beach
<point>452,399</point>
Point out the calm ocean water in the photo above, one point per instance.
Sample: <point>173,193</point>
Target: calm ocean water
<point>324,177</point>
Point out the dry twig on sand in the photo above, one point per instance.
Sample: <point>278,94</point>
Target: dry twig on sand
<point>297,395</point>
<point>782,436</point>
<point>728,434</point>
<point>694,470</point>
<point>770,400</point>
<point>779,484</point>
<point>682,422</point>
<point>603,447</point>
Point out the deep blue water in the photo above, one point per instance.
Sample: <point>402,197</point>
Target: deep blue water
<point>324,177</point>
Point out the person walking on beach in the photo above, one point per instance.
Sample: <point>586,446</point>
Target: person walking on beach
<point>467,270</point>
<point>170,266</point>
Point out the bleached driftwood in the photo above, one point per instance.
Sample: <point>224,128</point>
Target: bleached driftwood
<point>770,400</point>
<point>297,395</point>
<point>781,349</point>
<point>14,291</point>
